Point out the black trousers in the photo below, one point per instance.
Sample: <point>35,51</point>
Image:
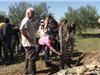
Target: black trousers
<point>0,48</point>
<point>30,66</point>
<point>43,47</point>
<point>7,49</point>
<point>47,55</point>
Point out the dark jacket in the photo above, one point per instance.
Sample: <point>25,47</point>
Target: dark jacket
<point>7,32</point>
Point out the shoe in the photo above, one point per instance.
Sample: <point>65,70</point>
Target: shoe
<point>30,74</point>
<point>7,62</point>
<point>48,64</point>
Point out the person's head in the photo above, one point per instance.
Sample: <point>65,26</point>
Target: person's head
<point>73,24</point>
<point>1,19</point>
<point>6,20</point>
<point>49,17</point>
<point>30,12</point>
<point>63,22</point>
<point>42,22</point>
<point>54,22</point>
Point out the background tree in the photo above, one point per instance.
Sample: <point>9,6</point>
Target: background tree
<point>17,12</point>
<point>2,14</point>
<point>42,10</point>
<point>85,17</point>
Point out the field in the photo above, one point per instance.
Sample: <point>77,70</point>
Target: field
<point>89,41</point>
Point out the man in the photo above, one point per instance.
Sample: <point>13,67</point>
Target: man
<point>28,34</point>
<point>7,41</point>
<point>63,42</point>
<point>1,37</point>
<point>16,38</point>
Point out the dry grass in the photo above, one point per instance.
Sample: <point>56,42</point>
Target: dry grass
<point>18,69</point>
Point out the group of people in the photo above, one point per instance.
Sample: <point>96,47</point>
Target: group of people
<point>48,31</point>
<point>9,40</point>
<point>28,40</point>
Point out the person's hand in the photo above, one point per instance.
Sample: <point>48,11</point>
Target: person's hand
<point>30,40</point>
<point>59,53</point>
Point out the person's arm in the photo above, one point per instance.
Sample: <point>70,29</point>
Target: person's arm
<point>47,42</point>
<point>53,50</point>
<point>46,23</point>
<point>24,33</point>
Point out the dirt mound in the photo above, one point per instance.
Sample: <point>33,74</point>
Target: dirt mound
<point>90,66</point>
<point>90,57</point>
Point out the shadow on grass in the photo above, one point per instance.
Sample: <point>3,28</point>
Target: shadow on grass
<point>16,60</point>
<point>90,35</point>
<point>53,69</point>
<point>79,56</point>
<point>72,59</point>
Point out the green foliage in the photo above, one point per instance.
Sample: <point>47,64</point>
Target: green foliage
<point>85,17</point>
<point>41,11</point>
<point>17,11</point>
<point>2,15</point>
<point>88,41</point>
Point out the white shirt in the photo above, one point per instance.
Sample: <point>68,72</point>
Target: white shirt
<point>41,31</point>
<point>27,24</point>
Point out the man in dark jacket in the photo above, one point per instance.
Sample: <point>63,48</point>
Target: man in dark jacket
<point>1,37</point>
<point>7,40</point>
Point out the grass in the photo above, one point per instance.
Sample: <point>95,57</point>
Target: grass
<point>90,43</point>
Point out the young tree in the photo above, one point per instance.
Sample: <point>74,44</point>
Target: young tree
<point>17,11</point>
<point>42,10</point>
<point>85,17</point>
<point>2,15</point>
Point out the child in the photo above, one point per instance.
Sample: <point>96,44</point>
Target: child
<point>43,42</point>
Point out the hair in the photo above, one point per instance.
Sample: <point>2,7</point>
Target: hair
<point>1,20</point>
<point>64,20</point>
<point>28,10</point>
<point>6,20</point>
<point>55,22</point>
<point>49,16</point>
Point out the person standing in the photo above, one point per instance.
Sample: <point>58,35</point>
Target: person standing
<point>16,38</point>
<point>7,41</point>
<point>1,38</point>
<point>28,41</point>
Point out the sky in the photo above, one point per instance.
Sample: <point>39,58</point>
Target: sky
<point>58,7</point>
